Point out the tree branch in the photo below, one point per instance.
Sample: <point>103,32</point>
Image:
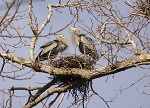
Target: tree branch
<point>43,89</point>
<point>63,95</point>
<point>49,93</point>
<point>6,13</point>
<point>142,59</point>
<point>47,20</point>
<point>37,32</point>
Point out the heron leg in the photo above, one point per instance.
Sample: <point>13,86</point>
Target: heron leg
<point>84,52</point>
<point>85,56</point>
<point>49,58</point>
<point>49,55</point>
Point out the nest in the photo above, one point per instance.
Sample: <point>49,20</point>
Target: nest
<point>81,89</point>
<point>81,62</point>
<point>144,7</point>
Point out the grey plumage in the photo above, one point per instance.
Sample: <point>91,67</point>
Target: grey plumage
<point>51,49</point>
<point>85,44</point>
<point>75,38</point>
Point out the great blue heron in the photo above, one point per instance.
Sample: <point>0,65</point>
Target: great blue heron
<point>85,44</point>
<point>51,49</point>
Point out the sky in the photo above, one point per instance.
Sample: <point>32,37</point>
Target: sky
<point>108,87</point>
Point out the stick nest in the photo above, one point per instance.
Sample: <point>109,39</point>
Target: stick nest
<point>81,89</point>
<point>144,7</point>
<point>81,62</point>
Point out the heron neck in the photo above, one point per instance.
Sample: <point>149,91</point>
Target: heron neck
<point>75,33</point>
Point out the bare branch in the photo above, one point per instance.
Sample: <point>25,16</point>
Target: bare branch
<point>136,51</point>
<point>24,88</point>
<point>30,18</point>
<point>65,5</point>
<point>142,59</point>
<point>52,102</point>
<point>16,59</point>
<point>37,32</point>
<point>121,90</point>
<point>43,89</point>
<point>98,95</point>
<point>2,20</point>
<point>49,93</point>
<point>63,95</point>
<point>47,20</point>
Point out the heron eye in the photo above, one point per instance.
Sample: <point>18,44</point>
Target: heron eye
<point>62,36</point>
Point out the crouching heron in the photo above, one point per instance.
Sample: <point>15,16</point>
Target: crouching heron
<point>51,49</point>
<point>85,44</point>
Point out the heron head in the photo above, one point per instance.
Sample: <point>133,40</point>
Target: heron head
<point>74,29</point>
<point>75,32</point>
<point>62,38</point>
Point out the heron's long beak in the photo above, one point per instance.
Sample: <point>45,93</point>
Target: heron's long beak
<point>71,28</point>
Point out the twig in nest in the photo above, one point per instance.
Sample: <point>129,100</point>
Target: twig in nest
<point>81,62</point>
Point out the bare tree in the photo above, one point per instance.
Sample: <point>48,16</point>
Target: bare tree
<point>122,40</point>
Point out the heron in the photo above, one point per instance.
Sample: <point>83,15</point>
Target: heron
<point>51,49</point>
<point>84,43</point>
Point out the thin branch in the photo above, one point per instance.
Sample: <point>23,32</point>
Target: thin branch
<point>115,42</point>
<point>2,20</point>
<point>12,17</point>
<point>43,89</point>
<point>63,95</point>
<point>47,20</point>
<point>98,94</point>
<point>52,102</point>
<point>35,32</point>
<point>49,93</point>
<point>65,5</point>
<point>24,88</point>
<point>133,83</point>
<point>1,70</point>
<point>30,18</point>
<point>10,98</point>
<point>117,21</point>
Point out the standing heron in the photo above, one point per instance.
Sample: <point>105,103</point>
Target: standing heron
<point>85,44</point>
<point>51,49</point>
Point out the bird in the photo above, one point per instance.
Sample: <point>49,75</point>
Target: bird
<point>51,49</point>
<point>84,43</point>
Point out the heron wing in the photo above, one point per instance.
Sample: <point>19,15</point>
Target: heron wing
<point>61,46</point>
<point>88,42</point>
<point>48,43</point>
<point>88,47</point>
<point>84,49</point>
<point>48,47</point>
